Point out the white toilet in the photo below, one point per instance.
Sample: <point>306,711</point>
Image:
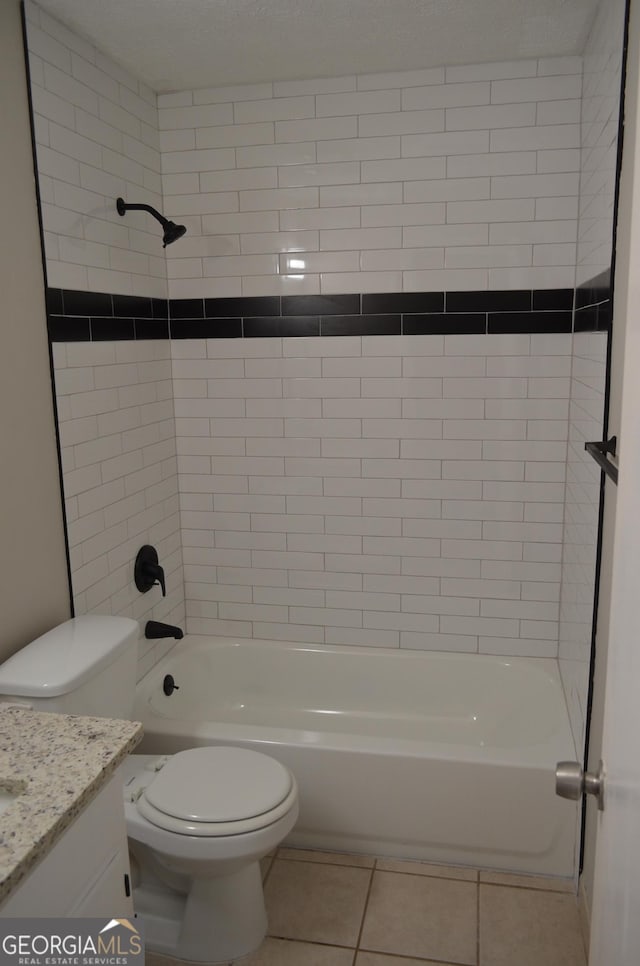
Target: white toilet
<point>198,821</point>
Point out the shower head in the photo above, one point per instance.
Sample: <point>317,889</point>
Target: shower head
<point>171,231</point>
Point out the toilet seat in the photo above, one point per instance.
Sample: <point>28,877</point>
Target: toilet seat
<point>216,791</point>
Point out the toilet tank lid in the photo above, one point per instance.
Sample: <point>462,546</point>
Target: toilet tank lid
<point>66,656</point>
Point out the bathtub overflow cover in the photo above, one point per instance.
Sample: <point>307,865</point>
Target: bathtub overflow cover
<point>169,685</point>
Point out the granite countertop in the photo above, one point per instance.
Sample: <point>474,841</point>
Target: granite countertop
<point>57,763</point>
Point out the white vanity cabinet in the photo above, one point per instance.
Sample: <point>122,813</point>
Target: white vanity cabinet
<point>86,873</point>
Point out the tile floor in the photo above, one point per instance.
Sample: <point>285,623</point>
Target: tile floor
<point>330,909</point>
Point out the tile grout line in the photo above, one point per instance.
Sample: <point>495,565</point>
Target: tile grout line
<point>366,906</point>
<point>449,878</point>
<point>268,872</point>
<point>526,888</point>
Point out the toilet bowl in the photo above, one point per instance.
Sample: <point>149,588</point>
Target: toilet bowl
<point>198,823</point>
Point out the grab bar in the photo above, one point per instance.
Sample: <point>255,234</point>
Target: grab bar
<point>599,451</point>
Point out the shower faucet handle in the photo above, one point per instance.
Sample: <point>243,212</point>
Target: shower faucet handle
<point>158,575</point>
<point>147,572</point>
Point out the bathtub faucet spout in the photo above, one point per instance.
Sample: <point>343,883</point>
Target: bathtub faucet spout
<point>154,631</point>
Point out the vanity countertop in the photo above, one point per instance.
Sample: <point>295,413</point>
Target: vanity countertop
<point>56,763</point>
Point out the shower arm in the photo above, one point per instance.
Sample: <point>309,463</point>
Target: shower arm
<point>122,206</point>
<point>171,231</point>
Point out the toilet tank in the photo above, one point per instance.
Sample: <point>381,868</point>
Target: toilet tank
<point>85,666</point>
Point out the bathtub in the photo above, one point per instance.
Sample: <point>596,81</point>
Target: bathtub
<point>434,756</point>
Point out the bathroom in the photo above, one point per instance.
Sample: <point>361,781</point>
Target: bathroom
<point>275,502</point>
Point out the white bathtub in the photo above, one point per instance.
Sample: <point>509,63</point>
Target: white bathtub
<point>434,756</point>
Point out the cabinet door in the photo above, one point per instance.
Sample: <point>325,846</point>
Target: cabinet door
<point>78,861</point>
<point>107,897</point>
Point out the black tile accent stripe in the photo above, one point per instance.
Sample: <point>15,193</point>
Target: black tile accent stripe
<point>321,305</point>
<point>186,308</point>
<point>597,289</point>
<point>593,318</point>
<point>502,322</point>
<point>517,300</point>
<point>605,317</point>
<point>54,301</point>
<point>104,330</point>
<point>594,304</point>
<point>286,325</point>
<point>160,308</point>
<point>205,328</point>
<point>133,305</point>
<point>586,319</point>
<point>87,303</point>
<point>361,325</point>
<point>86,316</point>
<point>441,323</point>
<point>151,328</point>
<point>553,298</point>
<point>64,328</point>
<point>241,307</point>
<point>403,302</point>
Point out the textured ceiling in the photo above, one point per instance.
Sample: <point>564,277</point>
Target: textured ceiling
<point>180,44</point>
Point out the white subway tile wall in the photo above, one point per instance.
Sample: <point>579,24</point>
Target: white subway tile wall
<point>599,127</point>
<point>369,491</point>
<point>599,140</point>
<point>377,490</point>
<point>96,131</point>
<point>408,185</point>
<point>464,178</point>
<point>118,445</point>
<point>580,537</point>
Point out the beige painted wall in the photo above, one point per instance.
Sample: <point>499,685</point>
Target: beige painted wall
<point>34,593</point>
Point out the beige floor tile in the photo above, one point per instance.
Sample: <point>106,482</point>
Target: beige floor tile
<point>420,916</point>
<point>287,952</point>
<point>329,858</point>
<point>427,868</point>
<point>529,927</point>
<point>316,902</point>
<point>381,959</point>
<point>546,883</point>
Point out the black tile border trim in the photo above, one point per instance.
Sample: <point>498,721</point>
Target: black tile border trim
<point>95,316</point>
<point>594,304</point>
<point>597,289</point>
